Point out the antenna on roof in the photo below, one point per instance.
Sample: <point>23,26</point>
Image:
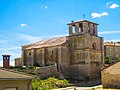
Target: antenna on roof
<point>83,16</point>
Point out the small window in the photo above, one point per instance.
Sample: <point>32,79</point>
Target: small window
<point>29,53</point>
<point>52,52</point>
<point>93,31</point>
<point>80,25</point>
<point>110,49</point>
<point>94,46</point>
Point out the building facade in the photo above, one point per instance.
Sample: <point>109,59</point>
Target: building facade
<point>18,62</point>
<point>79,55</point>
<point>12,80</point>
<point>112,50</point>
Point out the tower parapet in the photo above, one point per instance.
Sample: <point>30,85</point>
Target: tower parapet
<point>83,27</point>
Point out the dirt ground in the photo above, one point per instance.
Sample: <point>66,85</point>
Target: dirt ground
<point>85,85</point>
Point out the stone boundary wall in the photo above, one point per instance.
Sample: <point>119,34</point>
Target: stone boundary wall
<point>42,72</point>
<point>48,71</point>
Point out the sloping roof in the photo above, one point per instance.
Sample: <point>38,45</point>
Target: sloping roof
<point>113,69</point>
<point>7,74</point>
<point>47,43</point>
<point>112,43</point>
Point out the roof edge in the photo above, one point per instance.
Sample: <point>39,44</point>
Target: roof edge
<point>81,21</point>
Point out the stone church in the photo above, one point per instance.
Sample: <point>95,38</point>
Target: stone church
<point>78,56</point>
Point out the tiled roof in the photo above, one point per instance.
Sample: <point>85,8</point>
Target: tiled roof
<point>7,74</point>
<point>47,43</point>
<point>112,43</point>
<point>113,69</point>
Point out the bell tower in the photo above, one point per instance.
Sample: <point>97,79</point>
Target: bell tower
<point>86,50</point>
<point>83,27</point>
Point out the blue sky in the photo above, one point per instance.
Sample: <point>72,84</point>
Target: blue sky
<point>26,21</point>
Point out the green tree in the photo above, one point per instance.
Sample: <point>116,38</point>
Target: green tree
<point>118,59</point>
<point>107,60</point>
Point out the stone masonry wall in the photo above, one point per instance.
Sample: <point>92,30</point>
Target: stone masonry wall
<point>48,71</point>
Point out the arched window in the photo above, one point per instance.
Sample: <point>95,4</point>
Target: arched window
<point>94,45</point>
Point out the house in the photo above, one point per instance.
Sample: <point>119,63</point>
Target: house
<point>18,62</point>
<point>78,56</point>
<point>11,80</point>
<point>111,76</point>
<point>112,50</point>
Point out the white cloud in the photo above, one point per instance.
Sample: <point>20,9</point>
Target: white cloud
<point>10,46</point>
<point>44,6</point>
<point>95,15</point>
<point>108,3</point>
<point>1,62</point>
<point>108,32</point>
<point>12,63</point>
<point>29,38</point>
<point>23,25</point>
<point>113,6</point>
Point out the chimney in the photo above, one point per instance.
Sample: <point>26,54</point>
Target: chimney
<point>6,61</point>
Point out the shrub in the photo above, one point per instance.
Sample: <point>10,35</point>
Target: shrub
<point>49,83</point>
<point>118,59</point>
<point>107,60</point>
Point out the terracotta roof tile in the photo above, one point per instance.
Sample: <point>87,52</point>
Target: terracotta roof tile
<point>113,69</point>
<point>112,43</point>
<point>7,74</point>
<point>47,43</point>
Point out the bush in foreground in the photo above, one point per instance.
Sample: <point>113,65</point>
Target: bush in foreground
<point>49,83</point>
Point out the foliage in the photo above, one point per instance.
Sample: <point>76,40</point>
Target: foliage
<point>118,59</point>
<point>33,73</point>
<point>93,88</point>
<point>75,89</point>
<point>107,60</point>
<point>49,83</point>
<point>17,67</point>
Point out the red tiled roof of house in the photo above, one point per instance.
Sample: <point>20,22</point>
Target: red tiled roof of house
<point>7,74</point>
<point>112,43</point>
<point>113,69</point>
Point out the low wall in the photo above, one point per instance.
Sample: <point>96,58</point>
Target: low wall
<point>42,72</point>
<point>48,71</point>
